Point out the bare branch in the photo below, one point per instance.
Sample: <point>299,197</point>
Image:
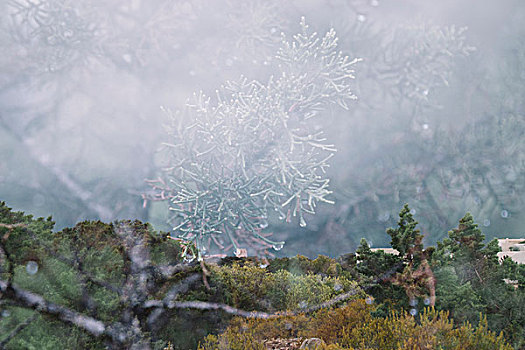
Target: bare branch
<point>135,288</point>
<point>36,302</point>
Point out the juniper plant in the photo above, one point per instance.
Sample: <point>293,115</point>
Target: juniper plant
<point>253,148</point>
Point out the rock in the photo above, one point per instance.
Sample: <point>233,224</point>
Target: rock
<point>282,344</point>
<point>312,343</point>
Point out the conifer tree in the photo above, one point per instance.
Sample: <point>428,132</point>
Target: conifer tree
<point>406,239</point>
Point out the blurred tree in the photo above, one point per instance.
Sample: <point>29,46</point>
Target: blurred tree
<point>437,125</point>
<point>78,80</point>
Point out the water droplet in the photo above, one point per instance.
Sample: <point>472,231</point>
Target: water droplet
<point>266,63</point>
<point>303,304</point>
<point>361,17</point>
<point>51,40</point>
<point>278,246</point>
<point>413,312</point>
<point>31,267</point>
<point>413,302</point>
<point>263,266</point>
<point>419,189</point>
<point>426,301</point>
<point>338,286</point>
<point>68,33</point>
<point>425,126</point>
<point>374,3</point>
<point>192,73</point>
<point>273,30</point>
<point>504,214</point>
<point>486,222</point>
<point>6,313</point>
<point>413,211</point>
<point>369,300</point>
<point>302,222</point>
<point>263,224</point>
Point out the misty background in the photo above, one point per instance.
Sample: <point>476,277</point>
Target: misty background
<point>439,121</point>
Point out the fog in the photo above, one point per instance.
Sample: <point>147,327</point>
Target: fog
<point>87,89</point>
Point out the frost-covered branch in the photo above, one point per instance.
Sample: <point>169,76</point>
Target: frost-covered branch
<point>252,148</point>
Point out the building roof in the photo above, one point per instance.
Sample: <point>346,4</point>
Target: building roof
<point>513,248</point>
<point>507,243</point>
<point>386,250</point>
<point>518,257</point>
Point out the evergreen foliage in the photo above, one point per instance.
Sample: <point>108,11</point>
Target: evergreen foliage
<point>406,239</point>
<point>124,285</point>
<point>462,276</point>
<point>470,279</point>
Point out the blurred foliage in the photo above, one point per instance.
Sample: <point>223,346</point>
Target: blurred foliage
<point>437,124</point>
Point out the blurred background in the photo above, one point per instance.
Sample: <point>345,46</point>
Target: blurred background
<point>439,122</point>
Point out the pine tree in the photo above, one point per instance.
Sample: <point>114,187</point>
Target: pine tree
<point>406,239</point>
